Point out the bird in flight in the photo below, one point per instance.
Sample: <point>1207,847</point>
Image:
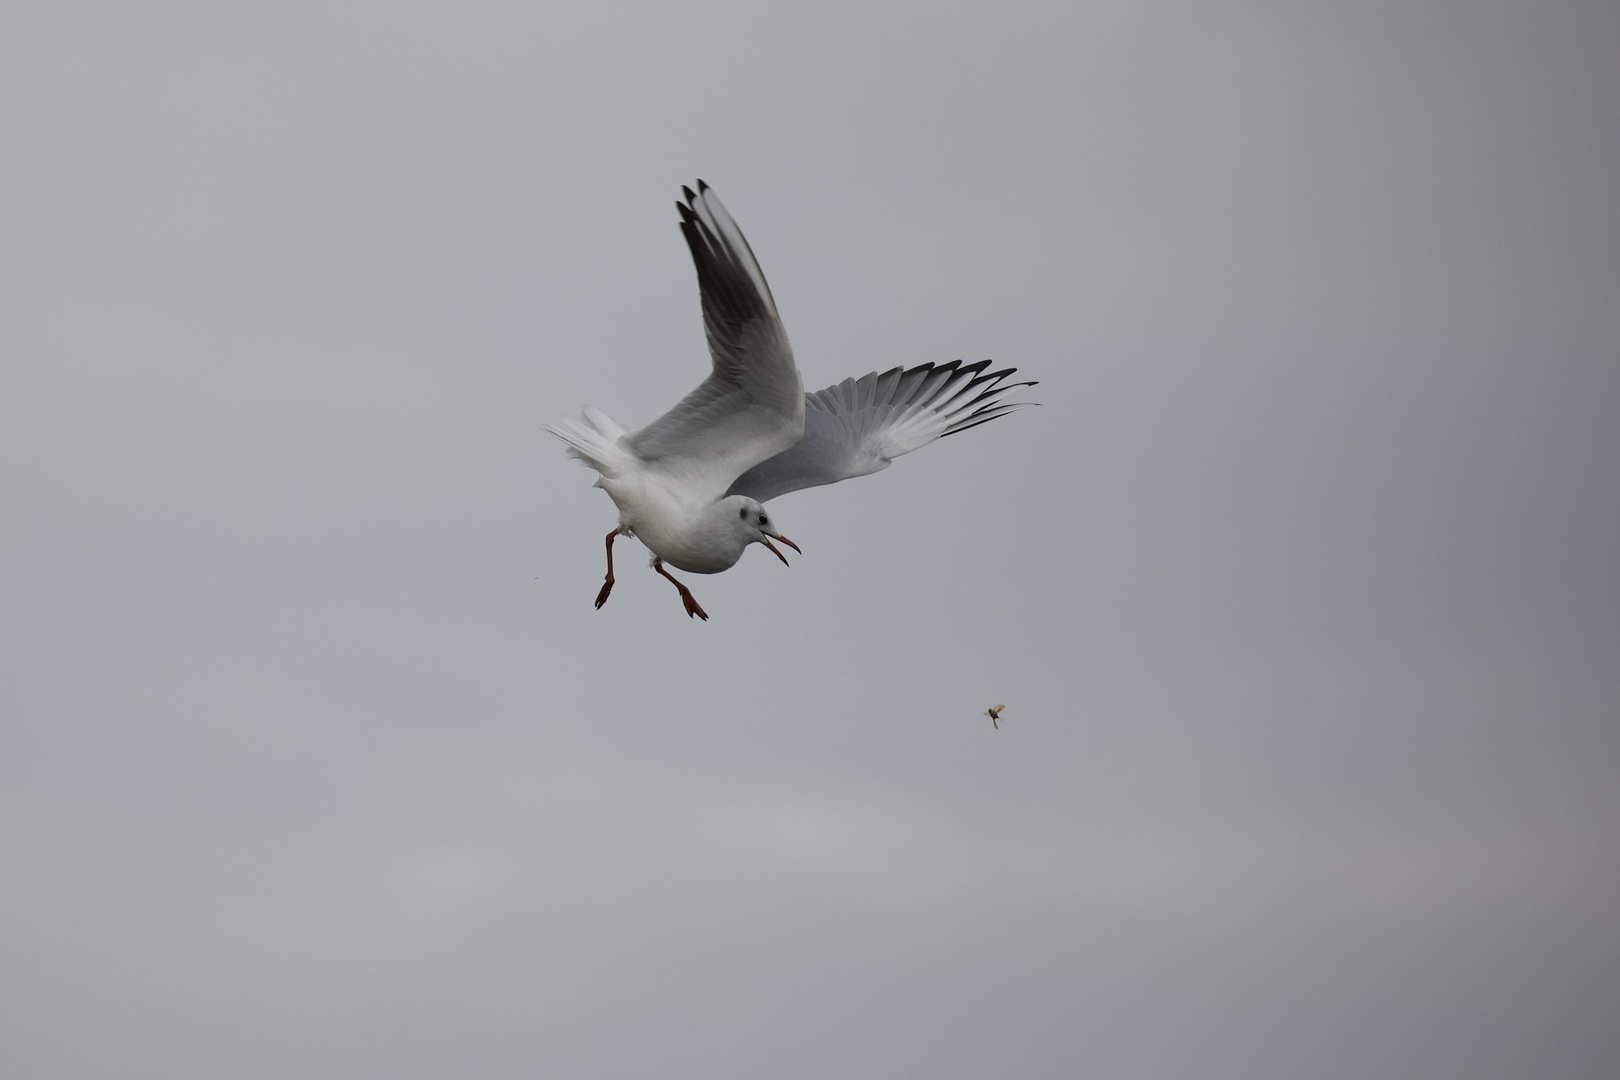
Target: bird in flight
<point>994,713</point>
<point>691,485</point>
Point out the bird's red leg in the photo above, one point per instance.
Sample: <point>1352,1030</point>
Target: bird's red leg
<point>687,598</point>
<point>607,586</point>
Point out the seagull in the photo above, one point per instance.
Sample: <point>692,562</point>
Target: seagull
<point>994,713</point>
<point>691,485</point>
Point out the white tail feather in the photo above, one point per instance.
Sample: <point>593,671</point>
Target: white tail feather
<point>594,442</point>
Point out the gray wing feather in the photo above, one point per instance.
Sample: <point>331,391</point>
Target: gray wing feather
<point>751,406</point>
<point>861,425</point>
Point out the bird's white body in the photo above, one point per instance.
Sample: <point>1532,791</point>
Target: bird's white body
<point>666,509</point>
<point>703,538</point>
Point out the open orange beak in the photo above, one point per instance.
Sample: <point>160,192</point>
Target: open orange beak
<point>767,542</point>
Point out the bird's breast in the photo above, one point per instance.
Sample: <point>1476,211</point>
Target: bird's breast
<point>700,562</point>
<point>688,538</point>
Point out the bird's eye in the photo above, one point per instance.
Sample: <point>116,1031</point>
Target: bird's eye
<point>762,520</point>
<point>742,512</point>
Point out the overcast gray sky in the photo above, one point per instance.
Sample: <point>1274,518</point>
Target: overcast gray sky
<point>1301,587</point>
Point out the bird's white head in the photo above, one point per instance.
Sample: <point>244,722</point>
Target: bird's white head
<point>754,524</point>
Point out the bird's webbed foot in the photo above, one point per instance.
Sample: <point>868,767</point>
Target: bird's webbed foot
<point>692,606</point>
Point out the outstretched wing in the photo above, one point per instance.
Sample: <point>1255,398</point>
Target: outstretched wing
<point>861,425</point>
<point>751,407</point>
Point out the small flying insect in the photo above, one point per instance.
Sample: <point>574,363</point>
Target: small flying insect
<point>994,713</point>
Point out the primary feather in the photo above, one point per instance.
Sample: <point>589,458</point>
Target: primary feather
<point>860,426</point>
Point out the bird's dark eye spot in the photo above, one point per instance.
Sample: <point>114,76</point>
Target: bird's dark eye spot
<point>762,520</point>
<point>742,512</point>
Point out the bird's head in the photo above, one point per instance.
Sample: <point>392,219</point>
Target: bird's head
<point>755,525</point>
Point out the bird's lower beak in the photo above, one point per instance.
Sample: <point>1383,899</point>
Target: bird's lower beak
<point>767,542</point>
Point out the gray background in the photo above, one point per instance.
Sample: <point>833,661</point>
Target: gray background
<point>1301,588</point>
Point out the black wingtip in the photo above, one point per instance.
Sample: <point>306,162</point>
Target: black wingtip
<point>703,186</point>
<point>688,192</point>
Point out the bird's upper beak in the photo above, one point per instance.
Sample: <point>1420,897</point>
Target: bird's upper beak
<point>766,541</point>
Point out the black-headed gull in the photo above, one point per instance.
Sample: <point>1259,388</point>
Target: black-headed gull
<point>690,484</point>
